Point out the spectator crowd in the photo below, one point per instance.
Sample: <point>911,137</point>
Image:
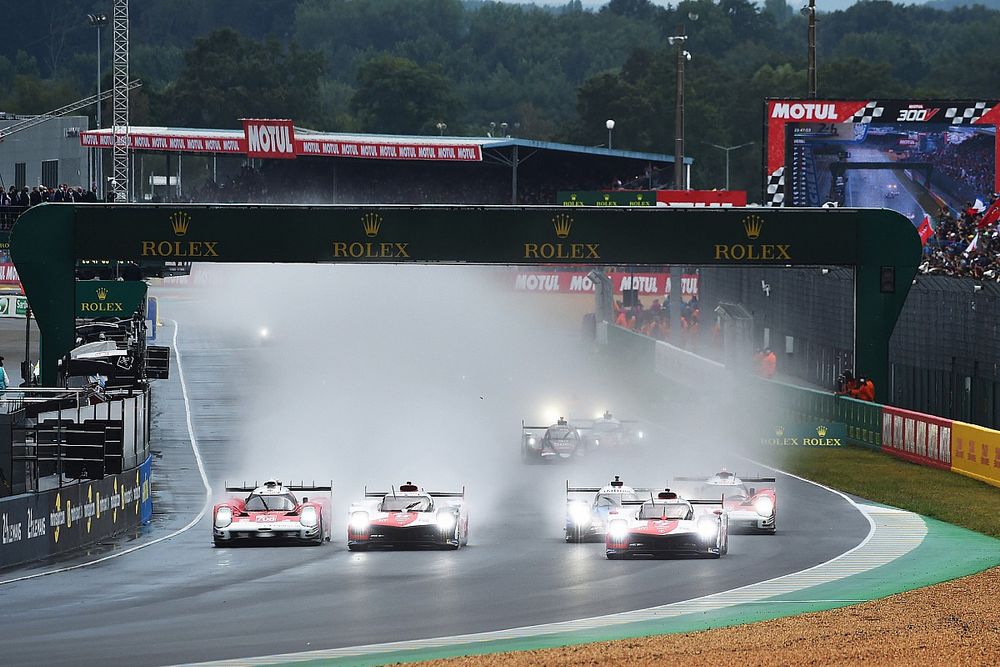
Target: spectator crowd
<point>654,321</point>
<point>966,244</point>
<point>23,197</point>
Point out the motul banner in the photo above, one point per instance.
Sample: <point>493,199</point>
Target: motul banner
<point>701,197</point>
<point>389,151</point>
<point>917,437</point>
<point>8,274</point>
<point>649,284</point>
<point>186,143</point>
<point>271,138</point>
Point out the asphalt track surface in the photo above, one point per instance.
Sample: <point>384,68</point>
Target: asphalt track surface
<point>183,601</point>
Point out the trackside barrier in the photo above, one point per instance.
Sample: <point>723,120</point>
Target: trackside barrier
<point>917,437</point>
<point>967,449</point>
<point>975,452</point>
<point>38,525</point>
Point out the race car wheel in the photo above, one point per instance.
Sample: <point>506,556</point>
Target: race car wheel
<point>357,547</point>
<point>218,543</point>
<point>464,539</point>
<point>319,537</point>
<point>724,549</point>
<point>574,535</point>
<point>616,556</point>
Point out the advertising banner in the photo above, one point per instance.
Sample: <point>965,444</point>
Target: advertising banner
<point>569,282</point>
<point>806,434</point>
<point>609,198</point>
<point>8,274</point>
<point>269,138</point>
<point>13,305</point>
<point>109,298</point>
<point>917,437</point>
<point>38,525</point>
<point>688,198</point>
<point>975,452</point>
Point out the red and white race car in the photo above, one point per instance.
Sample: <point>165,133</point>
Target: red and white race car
<point>668,526</point>
<point>408,517</point>
<point>272,513</point>
<point>750,506</point>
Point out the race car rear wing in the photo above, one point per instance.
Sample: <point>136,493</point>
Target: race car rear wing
<point>597,489</point>
<point>721,501</point>
<point>525,427</point>
<point>760,480</point>
<point>301,486</point>
<point>432,494</point>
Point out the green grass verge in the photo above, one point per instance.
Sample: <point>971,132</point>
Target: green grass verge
<point>940,494</point>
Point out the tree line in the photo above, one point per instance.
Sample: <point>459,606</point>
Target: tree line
<point>550,73</point>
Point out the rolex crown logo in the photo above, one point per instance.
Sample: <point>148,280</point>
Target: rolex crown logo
<point>753,224</point>
<point>102,293</point>
<point>572,197</point>
<point>779,431</point>
<point>638,197</point>
<point>562,224</point>
<point>607,197</point>
<point>179,222</point>
<point>821,431</point>
<point>371,222</point>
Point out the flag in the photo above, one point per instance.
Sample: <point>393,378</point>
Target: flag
<point>973,245</point>
<point>925,230</point>
<point>990,216</point>
<point>979,206</point>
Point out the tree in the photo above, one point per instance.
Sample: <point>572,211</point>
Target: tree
<point>398,96</point>
<point>227,77</point>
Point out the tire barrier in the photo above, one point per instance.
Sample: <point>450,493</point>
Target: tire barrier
<point>38,525</point>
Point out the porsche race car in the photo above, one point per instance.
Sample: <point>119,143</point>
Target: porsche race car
<point>408,517</point>
<point>586,520</point>
<point>749,506</point>
<point>668,526</point>
<point>561,441</point>
<point>272,513</point>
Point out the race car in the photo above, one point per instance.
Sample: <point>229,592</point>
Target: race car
<point>891,191</point>
<point>668,526</point>
<point>271,513</point>
<point>408,517</point>
<point>608,432</point>
<point>750,508</point>
<point>561,441</point>
<point>588,520</point>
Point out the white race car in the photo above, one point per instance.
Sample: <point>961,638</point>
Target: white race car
<point>271,513</point>
<point>750,507</point>
<point>609,432</point>
<point>408,517</point>
<point>668,526</point>
<point>586,519</point>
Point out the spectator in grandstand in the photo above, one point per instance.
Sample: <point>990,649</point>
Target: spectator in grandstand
<point>4,198</point>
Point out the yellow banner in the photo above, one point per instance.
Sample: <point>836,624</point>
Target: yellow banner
<point>975,452</point>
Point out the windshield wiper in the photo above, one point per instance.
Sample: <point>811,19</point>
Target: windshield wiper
<point>264,503</point>
<point>411,506</point>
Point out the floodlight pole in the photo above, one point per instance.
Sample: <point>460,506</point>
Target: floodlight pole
<point>679,40</point>
<point>812,48</point>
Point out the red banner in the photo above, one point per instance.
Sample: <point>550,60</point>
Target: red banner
<point>701,197</point>
<point>917,437</point>
<point>8,274</point>
<point>270,138</point>
<point>569,282</point>
<point>186,143</point>
<point>388,151</point>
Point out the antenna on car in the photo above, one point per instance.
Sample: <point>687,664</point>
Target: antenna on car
<point>392,488</point>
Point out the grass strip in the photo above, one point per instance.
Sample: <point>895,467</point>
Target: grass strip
<point>883,478</point>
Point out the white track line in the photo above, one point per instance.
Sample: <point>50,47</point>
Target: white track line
<point>194,521</point>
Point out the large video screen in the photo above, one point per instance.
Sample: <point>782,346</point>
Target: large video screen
<point>915,157</point>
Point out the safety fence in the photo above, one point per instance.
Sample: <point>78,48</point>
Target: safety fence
<point>967,449</point>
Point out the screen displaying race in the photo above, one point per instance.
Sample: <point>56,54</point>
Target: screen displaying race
<point>915,170</point>
<point>917,157</point>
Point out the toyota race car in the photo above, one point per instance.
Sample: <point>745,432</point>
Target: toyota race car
<point>409,517</point>
<point>587,520</point>
<point>668,526</point>
<point>272,513</point>
<point>750,508</point>
<point>891,191</point>
<point>561,441</point>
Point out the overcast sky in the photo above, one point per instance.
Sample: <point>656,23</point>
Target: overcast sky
<point>822,5</point>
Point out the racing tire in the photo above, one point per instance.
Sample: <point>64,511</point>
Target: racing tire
<point>318,542</point>
<point>357,547</point>
<point>574,536</point>
<point>218,543</point>
<point>724,549</point>
<point>463,539</point>
<point>616,556</point>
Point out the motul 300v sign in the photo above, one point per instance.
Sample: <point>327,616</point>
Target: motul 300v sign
<point>270,138</point>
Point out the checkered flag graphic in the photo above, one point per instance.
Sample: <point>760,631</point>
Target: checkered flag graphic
<point>775,195</point>
<point>871,111</point>
<point>966,115</point>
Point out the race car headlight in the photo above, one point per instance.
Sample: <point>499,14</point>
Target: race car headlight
<point>446,521</point>
<point>308,517</point>
<point>263,333</point>
<point>579,513</point>
<point>223,516</point>
<point>618,529</point>
<point>359,521</point>
<point>596,442</point>
<point>708,528</point>
<point>531,440</point>
<point>764,506</point>
<point>641,435</point>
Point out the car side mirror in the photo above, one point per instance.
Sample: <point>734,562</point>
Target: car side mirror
<point>305,500</point>
<point>753,491</point>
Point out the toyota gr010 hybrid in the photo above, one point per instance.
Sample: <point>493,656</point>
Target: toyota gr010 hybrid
<point>751,507</point>
<point>668,526</point>
<point>408,518</point>
<point>272,513</point>
<point>559,442</point>
<point>588,519</point>
<point>607,432</point>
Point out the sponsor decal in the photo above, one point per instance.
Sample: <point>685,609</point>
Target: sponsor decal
<point>569,282</point>
<point>8,274</point>
<point>804,111</point>
<point>10,531</point>
<point>753,226</point>
<point>371,225</point>
<point>180,222</point>
<point>269,138</point>
<point>827,434</point>
<point>265,518</point>
<point>562,224</point>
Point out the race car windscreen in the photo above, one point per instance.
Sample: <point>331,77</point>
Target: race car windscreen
<point>615,500</point>
<point>406,504</point>
<point>562,433</point>
<point>258,503</point>
<point>657,511</point>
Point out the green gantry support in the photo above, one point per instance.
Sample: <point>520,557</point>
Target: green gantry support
<point>883,247</point>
